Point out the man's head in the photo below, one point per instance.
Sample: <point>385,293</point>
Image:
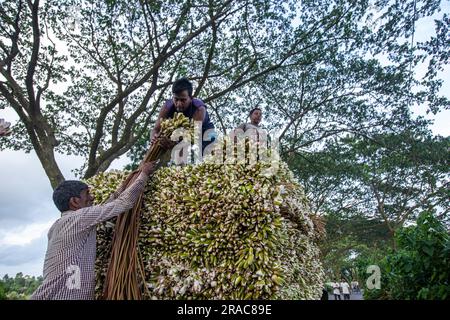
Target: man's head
<point>255,116</point>
<point>182,94</point>
<point>72,195</point>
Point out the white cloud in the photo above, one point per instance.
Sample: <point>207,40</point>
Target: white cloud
<point>33,268</point>
<point>27,210</point>
<point>28,259</point>
<point>24,235</point>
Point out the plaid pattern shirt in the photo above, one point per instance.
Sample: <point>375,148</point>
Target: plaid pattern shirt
<point>70,259</point>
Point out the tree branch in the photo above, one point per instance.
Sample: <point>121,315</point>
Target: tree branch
<point>29,81</point>
<point>14,40</point>
<point>210,56</point>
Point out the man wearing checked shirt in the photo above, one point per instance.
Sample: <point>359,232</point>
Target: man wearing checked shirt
<point>70,258</point>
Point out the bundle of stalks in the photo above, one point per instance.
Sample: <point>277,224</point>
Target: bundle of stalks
<point>121,281</point>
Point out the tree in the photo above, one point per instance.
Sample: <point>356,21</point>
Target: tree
<point>2,292</point>
<point>387,177</point>
<point>368,184</point>
<point>126,55</point>
<point>348,240</point>
<point>404,174</point>
<point>20,287</point>
<point>419,268</point>
<point>122,56</point>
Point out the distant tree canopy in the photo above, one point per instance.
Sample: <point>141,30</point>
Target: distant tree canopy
<point>2,292</point>
<point>18,287</point>
<point>419,268</point>
<point>368,189</point>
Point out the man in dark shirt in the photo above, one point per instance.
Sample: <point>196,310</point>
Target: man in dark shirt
<point>182,101</point>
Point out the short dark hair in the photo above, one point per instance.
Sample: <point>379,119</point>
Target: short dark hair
<point>66,190</point>
<point>253,110</point>
<point>181,85</point>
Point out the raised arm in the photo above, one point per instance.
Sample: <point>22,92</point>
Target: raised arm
<point>163,113</point>
<point>121,188</point>
<point>199,114</point>
<point>92,216</point>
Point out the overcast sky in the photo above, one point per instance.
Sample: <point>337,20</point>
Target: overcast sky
<point>26,208</point>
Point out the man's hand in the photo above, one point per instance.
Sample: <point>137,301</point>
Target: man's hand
<point>163,141</point>
<point>149,167</point>
<point>166,143</point>
<point>154,139</point>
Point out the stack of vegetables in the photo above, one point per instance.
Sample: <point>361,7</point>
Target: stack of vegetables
<point>219,231</point>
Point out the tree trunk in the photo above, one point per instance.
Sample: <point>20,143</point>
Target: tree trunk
<point>47,157</point>
<point>394,243</point>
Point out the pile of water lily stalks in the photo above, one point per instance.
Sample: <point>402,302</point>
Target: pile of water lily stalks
<point>121,279</point>
<point>218,231</point>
